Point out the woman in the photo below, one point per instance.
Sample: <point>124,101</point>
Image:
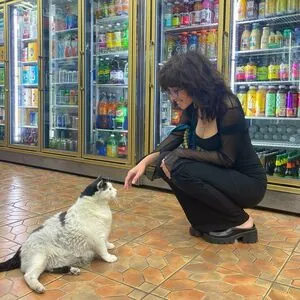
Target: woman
<point>207,160</point>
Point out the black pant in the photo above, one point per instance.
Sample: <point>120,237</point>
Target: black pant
<point>214,198</point>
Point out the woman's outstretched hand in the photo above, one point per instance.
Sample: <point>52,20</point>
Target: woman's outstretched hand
<point>165,169</point>
<point>134,174</point>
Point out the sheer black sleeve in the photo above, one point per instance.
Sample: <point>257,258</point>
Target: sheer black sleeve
<point>231,128</point>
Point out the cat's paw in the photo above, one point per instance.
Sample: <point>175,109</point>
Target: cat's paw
<point>110,258</point>
<point>39,288</point>
<point>110,245</point>
<point>74,271</point>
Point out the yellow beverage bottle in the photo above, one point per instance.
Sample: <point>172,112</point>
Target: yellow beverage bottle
<point>260,105</point>
<point>242,95</point>
<point>251,101</point>
<point>270,8</point>
<point>241,10</point>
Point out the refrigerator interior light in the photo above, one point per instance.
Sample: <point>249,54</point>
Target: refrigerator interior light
<point>17,132</point>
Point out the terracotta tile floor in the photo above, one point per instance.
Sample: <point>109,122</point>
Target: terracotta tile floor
<point>158,259</point>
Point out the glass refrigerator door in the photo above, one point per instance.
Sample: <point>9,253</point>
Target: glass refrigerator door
<point>60,57</point>
<point>23,75</point>
<point>182,26</point>
<point>2,80</point>
<point>265,75</point>
<point>106,86</point>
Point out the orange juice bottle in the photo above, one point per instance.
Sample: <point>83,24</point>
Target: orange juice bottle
<point>241,10</point>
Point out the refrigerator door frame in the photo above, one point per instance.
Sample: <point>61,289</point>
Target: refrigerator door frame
<point>151,58</point>
<point>274,183</point>
<point>4,143</point>
<point>44,150</point>
<point>132,86</point>
<point>22,148</point>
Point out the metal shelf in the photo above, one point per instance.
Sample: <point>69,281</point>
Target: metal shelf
<point>275,144</point>
<point>65,31</point>
<point>111,85</point>
<point>1,64</point>
<point>2,124</point>
<point>27,63</point>
<point>120,53</point>
<point>277,82</point>
<point>273,118</point>
<point>268,51</point>
<point>2,106</point>
<point>111,130</point>
<point>65,128</point>
<point>191,28</point>
<point>29,85</point>
<point>64,83</point>
<point>30,107</point>
<point>64,58</point>
<point>65,106</point>
<point>29,126</point>
<point>1,85</point>
<point>276,20</point>
<point>29,40</point>
<point>112,19</point>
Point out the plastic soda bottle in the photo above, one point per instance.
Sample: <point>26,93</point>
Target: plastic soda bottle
<point>111,110</point>
<point>168,14</point>
<point>102,39</point>
<point>109,38</point>
<point>211,44</point>
<point>206,12</point>
<point>193,41</point>
<point>111,146</point>
<point>124,36</point>
<point>122,149</point>
<point>121,113</point>
<point>176,14</point>
<point>202,42</point>
<point>102,117</point>
<point>118,7</point>
<point>117,37</point>
<point>125,7</point>
<point>184,42</point>
<point>185,18</point>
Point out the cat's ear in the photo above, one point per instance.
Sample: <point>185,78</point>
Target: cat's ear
<point>100,184</point>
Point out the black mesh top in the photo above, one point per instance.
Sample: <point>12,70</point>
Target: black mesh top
<point>232,145</point>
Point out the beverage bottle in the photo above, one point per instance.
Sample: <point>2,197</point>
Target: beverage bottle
<point>170,46</point>
<point>270,8</point>
<point>105,9</point>
<point>273,70</point>
<point>120,71</point>
<point>197,12</point>
<point>168,13</point>
<point>281,7</point>
<point>262,69</point>
<point>202,42</point>
<point>184,42</point>
<point>206,12</point>
<point>109,38</point>
<point>176,14</point>
<point>113,78</point>
<point>111,110</point>
<point>125,7</point>
<point>216,11</point>
<point>241,10</point>
<point>245,39</point>
<point>255,38</point>
<point>193,41</point>
<point>272,39</point>
<point>100,72</point>
<point>111,146</point>
<point>122,149</point>
<point>252,9</point>
<point>264,43</point>
<point>242,95</point>
<point>284,69</point>
<point>175,116</point>
<point>124,36</point>
<point>177,45</point>
<point>295,72</point>
<point>118,8</point>
<point>251,101</point>
<point>102,112</point>
<point>240,70</point>
<point>102,39</point>
<point>121,113</point>
<point>165,113</point>
<point>271,101</point>
<point>251,70</point>
<point>260,101</point>
<point>106,70</point>
<point>292,6</point>
<point>185,18</point>
<point>111,8</point>
<point>281,102</point>
<point>278,39</point>
<point>126,73</point>
<point>211,45</point>
<point>292,102</point>
<point>287,37</point>
<point>117,37</point>
<point>261,9</point>
<point>100,147</point>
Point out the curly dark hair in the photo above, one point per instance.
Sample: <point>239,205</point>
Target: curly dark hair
<point>194,73</point>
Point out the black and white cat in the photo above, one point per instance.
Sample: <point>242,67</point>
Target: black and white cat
<point>68,239</point>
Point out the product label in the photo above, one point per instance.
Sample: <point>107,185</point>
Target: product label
<point>168,20</point>
<point>240,73</point>
<point>122,151</point>
<point>281,105</point>
<point>262,73</point>
<point>270,104</point>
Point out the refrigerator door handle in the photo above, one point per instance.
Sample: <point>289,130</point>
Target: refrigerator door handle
<point>225,52</point>
<point>40,68</point>
<point>81,60</point>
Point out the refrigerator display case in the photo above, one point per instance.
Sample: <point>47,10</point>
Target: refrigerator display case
<point>182,26</point>
<point>23,73</point>
<point>108,68</point>
<point>61,96</point>
<point>2,80</point>
<point>265,75</point>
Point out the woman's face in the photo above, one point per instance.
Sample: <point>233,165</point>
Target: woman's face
<point>180,97</point>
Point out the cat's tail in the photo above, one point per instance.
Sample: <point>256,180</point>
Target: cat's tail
<point>12,263</point>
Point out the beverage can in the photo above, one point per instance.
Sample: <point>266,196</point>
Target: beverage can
<point>271,102</point>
